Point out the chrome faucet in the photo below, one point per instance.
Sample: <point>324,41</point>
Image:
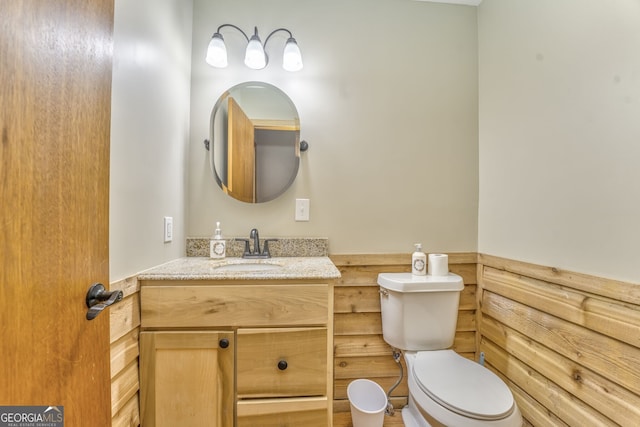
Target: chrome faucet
<point>253,234</point>
<point>257,252</point>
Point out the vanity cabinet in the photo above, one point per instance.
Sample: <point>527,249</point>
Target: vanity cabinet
<point>274,369</point>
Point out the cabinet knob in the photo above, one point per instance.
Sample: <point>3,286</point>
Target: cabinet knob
<point>282,365</point>
<point>224,343</point>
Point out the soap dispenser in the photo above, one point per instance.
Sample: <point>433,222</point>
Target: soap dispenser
<point>217,245</point>
<point>419,261</point>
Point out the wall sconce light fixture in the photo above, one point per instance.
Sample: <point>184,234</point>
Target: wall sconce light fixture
<point>255,56</point>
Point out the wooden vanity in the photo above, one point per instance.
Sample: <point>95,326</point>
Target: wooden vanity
<point>237,348</point>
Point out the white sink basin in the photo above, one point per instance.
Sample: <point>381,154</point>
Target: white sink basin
<point>249,266</point>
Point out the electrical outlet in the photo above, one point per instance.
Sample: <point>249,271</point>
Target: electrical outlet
<point>168,229</point>
<point>302,209</point>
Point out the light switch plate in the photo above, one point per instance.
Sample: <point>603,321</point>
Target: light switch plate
<point>302,209</point>
<point>168,229</point>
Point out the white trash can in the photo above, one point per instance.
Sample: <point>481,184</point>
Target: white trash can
<point>368,402</point>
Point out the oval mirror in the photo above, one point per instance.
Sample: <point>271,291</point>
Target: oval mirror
<point>255,142</point>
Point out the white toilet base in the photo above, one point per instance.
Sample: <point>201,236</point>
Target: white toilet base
<point>412,417</point>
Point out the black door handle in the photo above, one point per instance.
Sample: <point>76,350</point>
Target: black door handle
<point>98,298</point>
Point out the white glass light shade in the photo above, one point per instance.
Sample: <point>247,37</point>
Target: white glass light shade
<point>217,52</point>
<point>254,56</point>
<point>292,58</point>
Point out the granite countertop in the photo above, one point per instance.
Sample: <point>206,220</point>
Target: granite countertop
<point>230,268</point>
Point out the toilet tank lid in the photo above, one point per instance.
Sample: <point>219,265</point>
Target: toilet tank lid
<point>407,282</point>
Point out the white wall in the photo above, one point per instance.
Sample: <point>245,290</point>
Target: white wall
<point>560,133</point>
<point>149,132</point>
<point>394,155</point>
<point>388,103</point>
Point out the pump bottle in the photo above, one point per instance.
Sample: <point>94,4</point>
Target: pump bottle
<point>217,245</point>
<point>419,261</point>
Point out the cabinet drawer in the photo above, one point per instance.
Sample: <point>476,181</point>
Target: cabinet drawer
<point>307,412</point>
<point>184,306</point>
<point>281,362</point>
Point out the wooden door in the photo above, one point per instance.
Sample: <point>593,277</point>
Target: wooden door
<point>241,151</point>
<point>187,378</point>
<point>55,91</point>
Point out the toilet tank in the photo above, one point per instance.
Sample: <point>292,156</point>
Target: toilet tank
<point>419,312</point>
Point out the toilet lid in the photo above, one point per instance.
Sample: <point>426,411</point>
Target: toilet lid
<point>462,386</point>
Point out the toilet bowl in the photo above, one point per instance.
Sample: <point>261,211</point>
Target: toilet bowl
<point>449,390</point>
<point>419,316</point>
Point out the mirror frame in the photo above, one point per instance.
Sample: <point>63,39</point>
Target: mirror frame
<point>220,156</point>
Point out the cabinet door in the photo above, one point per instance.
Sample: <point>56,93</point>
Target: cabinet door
<point>186,379</point>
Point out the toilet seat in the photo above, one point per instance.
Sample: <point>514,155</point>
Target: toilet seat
<point>462,386</point>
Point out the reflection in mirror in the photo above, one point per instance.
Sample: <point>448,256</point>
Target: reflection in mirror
<point>255,142</point>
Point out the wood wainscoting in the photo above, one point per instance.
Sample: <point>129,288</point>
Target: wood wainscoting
<point>125,332</point>
<point>359,350</point>
<point>567,344</point>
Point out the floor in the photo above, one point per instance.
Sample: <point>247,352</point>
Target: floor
<point>343,419</point>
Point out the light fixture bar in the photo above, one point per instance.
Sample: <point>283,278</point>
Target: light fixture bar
<point>255,55</point>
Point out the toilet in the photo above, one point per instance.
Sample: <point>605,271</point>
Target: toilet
<point>419,315</point>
